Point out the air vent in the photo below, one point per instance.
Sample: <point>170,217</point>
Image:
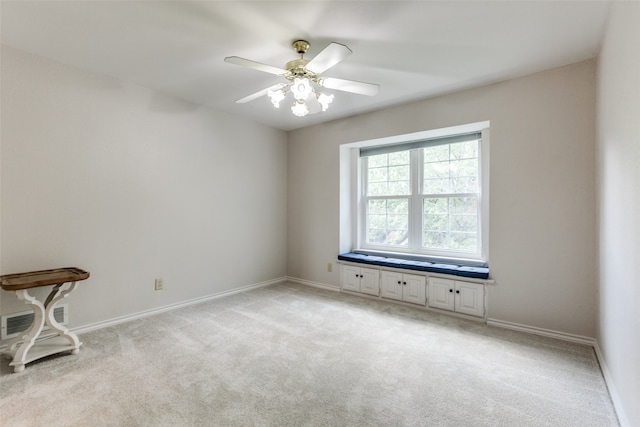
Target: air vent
<point>13,324</point>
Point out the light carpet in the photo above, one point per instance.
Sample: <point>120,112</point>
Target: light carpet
<point>292,355</point>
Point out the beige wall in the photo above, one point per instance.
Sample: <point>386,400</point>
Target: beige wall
<point>132,185</point>
<point>542,211</point>
<point>618,145</point>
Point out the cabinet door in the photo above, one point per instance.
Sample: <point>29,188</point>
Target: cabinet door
<point>413,288</point>
<point>391,285</point>
<point>469,298</point>
<point>351,278</point>
<point>370,281</point>
<point>441,293</point>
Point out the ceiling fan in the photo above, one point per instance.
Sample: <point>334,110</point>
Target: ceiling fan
<point>302,75</point>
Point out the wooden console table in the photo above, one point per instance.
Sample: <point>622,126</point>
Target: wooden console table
<point>24,348</point>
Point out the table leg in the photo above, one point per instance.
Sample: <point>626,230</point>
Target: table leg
<point>29,337</point>
<point>42,314</point>
<point>51,301</point>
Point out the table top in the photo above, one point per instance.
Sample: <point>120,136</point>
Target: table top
<point>34,279</point>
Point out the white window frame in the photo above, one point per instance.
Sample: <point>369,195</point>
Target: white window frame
<point>416,200</point>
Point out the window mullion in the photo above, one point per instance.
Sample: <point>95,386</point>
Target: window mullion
<point>415,216</point>
<point>439,195</point>
<point>404,196</point>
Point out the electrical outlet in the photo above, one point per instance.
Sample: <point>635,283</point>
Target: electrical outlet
<point>329,267</point>
<point>159,284</point>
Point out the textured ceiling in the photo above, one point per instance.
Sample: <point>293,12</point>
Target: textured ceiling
<point>412,49</point>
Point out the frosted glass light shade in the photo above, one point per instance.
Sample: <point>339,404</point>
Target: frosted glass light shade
<point>325,100</point>
<point>299,109</point>
<point>301,88</point>
<point>276,96</point>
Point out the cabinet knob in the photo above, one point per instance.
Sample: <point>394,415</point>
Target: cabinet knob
<point>457,292</point>
<point>361,276</point>
<point>404,283</point>
<point>450,290</point>
<point>398,282</point>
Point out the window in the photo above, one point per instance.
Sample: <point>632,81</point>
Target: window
<point>423,197</point>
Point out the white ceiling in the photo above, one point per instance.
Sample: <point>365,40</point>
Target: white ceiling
<point>412,49</point>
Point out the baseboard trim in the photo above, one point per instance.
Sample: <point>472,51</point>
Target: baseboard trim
<point>544,332</point>
<point>170,307</point>
<point>313,284</point>
<point>613,393</point>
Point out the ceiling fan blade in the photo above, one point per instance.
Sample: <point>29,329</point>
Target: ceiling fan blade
<point>255,65</point>
<point>329,57</point>
<point>352,86</point>
<point>260,93</point>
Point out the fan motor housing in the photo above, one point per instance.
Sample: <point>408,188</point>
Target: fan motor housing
<point>297,67</point>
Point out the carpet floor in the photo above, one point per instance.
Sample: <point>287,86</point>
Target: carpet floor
<point>292,355</point>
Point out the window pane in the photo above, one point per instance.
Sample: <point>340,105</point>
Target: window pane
<point>466,223</point>
<point>389,174</point>
<point>464,150</point>
<point>438,153</point>
<point>377,189</point>
<point>436,223</point>
<point>463,205</point>
<point>399,173</point>
<point>436,186</point>
<point>464,167</point>
<point>377,161</point>
<point>435,240</point>
<point>464,242</point>
<point>377,207</point>
<point>378,175</point>
<point>465,184</point>
<point>436,206</point>
<point>398,158</point>
<point>398,188</point>
<point>437,170</point>
<point>464,176</point>
<point>450,223</point>
<point>388,222</point>
<point>450,169</point>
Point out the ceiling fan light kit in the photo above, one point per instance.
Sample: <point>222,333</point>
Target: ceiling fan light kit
<point>304,80</point>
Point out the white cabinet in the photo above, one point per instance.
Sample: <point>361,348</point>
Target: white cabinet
<point>441,293</point>
<point>446,294</point>
<point>361,279</point>
<point>403,287</point>
<point>469,298</point>
<point>454,295</point>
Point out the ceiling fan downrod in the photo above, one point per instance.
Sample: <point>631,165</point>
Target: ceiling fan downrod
<point>297,67</point>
